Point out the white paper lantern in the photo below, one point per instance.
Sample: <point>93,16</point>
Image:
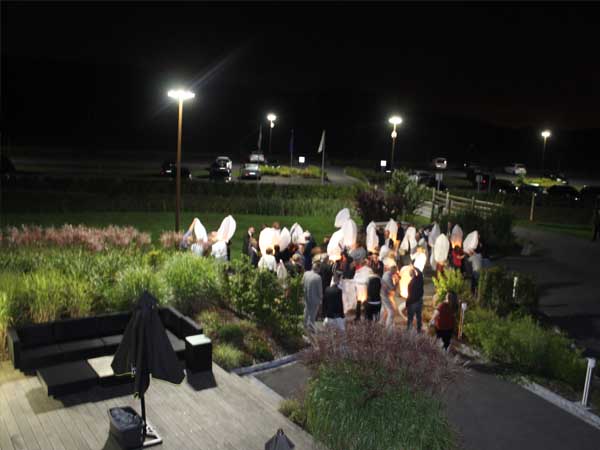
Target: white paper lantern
<point>266,239</point>
<point>384,251</point>
<point>392,227</point>
<point>456,237</point>
<point>411,232</point>
<point>420,261</point>
<point>297,234</point>
<point>441,248</point>
<point>361,280</point>
<point>433,234</point>
<point>334,247</point>
<point>284,239</point>
<point>341,217</point>
<point>471,241</point>
<point>405,277</point>
<point>282,272</point>
<point>350,231</point>
<point>219,251</point>
<point>372,239</point>
<point>227,229</point>
<point>200,231</point>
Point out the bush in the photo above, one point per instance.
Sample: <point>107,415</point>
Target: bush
<point>371,205</point>
<point>452,280</point>
<point>294,410</point>
<point>231,333</point>
<point>131,283</point>
<point>495,291</point>
<point>229,357</point>
<point>194,282</point>
<point>410,193</point>
<point>522,344</point>
<point>348,409</point>
<point>420,360</point>
<point>495,229</point>
<point>211,322</point>
<point>258,347</point>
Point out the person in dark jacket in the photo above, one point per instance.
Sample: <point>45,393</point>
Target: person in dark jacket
<point>253,250</point>
<point>308,247</point>
<point>246,244</point>
<point>414,302</point>
<point>333,305</point>
<point>373,307</point>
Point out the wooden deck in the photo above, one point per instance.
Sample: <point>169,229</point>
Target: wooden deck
<point>230,414</point>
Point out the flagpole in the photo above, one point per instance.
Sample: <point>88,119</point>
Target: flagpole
<point>323,167</point>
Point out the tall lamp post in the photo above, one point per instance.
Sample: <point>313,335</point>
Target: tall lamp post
<point>395,121</point>
<point>545,134</point>
<point>271,118</point>
<point>180,95</point>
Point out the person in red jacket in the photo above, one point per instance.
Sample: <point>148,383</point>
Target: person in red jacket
<point>444,318</point>
<point>457,257</point>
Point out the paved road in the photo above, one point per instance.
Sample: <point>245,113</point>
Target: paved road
<point>487,412</point>
<point>567,271</point>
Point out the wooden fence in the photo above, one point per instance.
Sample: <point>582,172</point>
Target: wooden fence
<point>445,203</point>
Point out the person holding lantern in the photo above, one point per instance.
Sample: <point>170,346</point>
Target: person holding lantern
<point>414,301</point>
<point>443,318</point>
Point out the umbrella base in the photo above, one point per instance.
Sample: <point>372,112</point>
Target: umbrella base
<point>152,437</point>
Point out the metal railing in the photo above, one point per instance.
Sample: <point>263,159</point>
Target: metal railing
<point>445,203</point>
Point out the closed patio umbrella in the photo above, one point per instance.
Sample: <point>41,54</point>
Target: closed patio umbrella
<point>279,442</point>
<point>145,350</point>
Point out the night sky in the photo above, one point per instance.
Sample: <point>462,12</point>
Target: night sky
<point>484,77</point>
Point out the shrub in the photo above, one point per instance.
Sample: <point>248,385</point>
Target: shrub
<point>4,320</point>
<point>294,410</point>
<point>258,347</point>
<point>422,363</point>
<point>410,194</point>
<point>194,281</point>
<point>496,287</point>
<point>452,280</point>
<point>131,282</point>
<point>211,322</point>
<point>229,357</point>
<point>349,409</point>
<point>371,205</point>
<point>171,239</point>
<point>522,344</point>
<point>231,333</point>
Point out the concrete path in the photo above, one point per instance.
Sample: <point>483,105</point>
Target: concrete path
<point>567,271</point>
<point>487,412</point>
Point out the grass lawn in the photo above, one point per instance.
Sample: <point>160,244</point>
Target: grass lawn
<point>580,231</point>
<point>157,222</point>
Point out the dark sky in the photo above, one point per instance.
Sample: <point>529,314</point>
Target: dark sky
<point>108,65</point>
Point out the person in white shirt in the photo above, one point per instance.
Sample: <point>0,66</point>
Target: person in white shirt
<point>268,261</point>
<point>476,263</point>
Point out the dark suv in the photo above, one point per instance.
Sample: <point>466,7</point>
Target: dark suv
<point>169,169</point>
<point>220,169</point>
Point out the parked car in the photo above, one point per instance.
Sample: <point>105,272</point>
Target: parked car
<point>220,169</point>
<point>503,187</point>
<point>439,163</point>
<point>432,183</point>
<point>563,192</point>
<point>556,176</point>
<point>470,168</point>
<point>590,194</point>
<point>516,169</point>
<point>250,171</point>
<point>257,157</point>
<point>169,169</point>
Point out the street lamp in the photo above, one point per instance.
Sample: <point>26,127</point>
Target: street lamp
<point>395,121</point>
<point>545,134</point>
<point>271,118</point>
<point>180,95</point>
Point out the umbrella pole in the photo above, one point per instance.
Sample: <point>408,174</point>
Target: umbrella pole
<point>143,417</point>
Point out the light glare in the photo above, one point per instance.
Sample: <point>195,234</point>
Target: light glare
<point>546,134</point>
<point>181,94</point>
<point>271,117</point>
<point>395,120</point>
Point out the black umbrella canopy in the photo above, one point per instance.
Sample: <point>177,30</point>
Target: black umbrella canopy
<point>145,349</point>
<point>279,442</point>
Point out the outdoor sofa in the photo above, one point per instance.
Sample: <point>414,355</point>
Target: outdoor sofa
<point>36,346</point>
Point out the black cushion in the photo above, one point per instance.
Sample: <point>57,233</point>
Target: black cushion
<point>83,349</point>
<point>76,329</point>
<point>45,355</point>
<point>187,327</point>
<point>36,334</point>
<point>111,343</point>
<point>170,319</point>
<point>177,344</point>
<point>68,377</point>
<point>113,324</point>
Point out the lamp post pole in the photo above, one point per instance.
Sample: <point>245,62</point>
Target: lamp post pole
<point>180,95</point>
<point>545,134</point>
<point>395,121</point>
<point>271,118</point>
<point>178,175</point>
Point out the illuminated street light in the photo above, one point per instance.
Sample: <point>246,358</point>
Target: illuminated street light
<point>180,95</point>
<point>271,118</point>
<point>545,134</point>
<point>395,121</point>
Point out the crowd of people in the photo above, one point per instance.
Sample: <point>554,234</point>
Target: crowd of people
<point>367,282</point>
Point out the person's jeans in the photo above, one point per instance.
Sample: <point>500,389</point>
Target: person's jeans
<point>415,309</point>
<point>474,281</point>
<point>389,309</point>
<point>310,315</point>
<point>372,311</point>
<point>445,336</point>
